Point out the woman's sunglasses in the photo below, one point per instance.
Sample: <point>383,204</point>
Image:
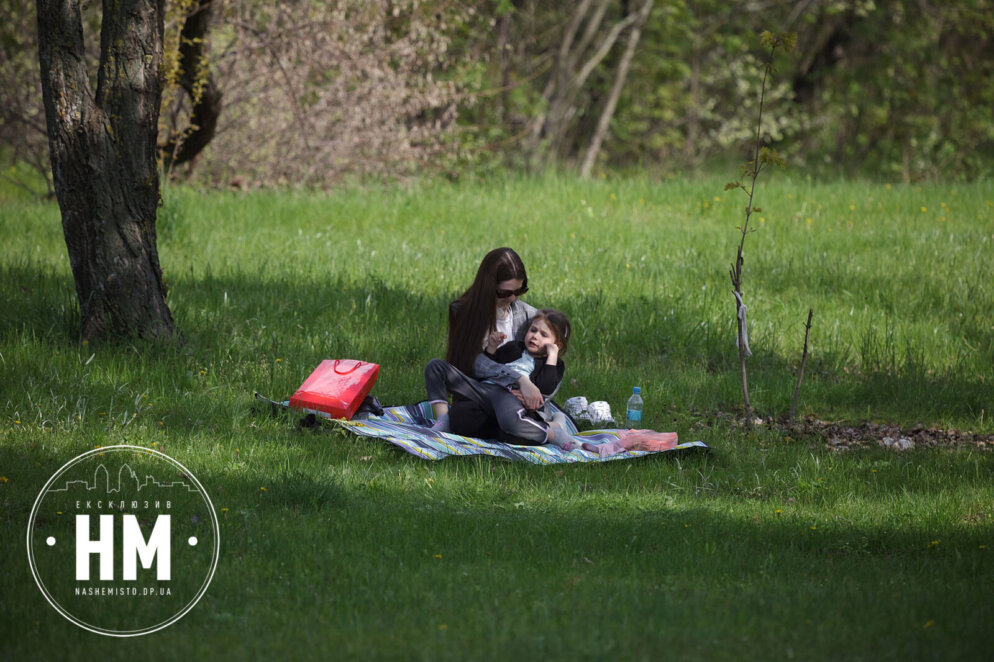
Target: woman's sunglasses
<point>503,294</point>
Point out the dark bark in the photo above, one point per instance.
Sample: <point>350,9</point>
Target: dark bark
<point>206,100</point>
<point>103,153</point>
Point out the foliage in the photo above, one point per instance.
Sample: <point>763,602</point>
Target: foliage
<point>314,91</point>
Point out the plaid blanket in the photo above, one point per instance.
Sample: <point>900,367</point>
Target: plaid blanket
<point>408,428</point>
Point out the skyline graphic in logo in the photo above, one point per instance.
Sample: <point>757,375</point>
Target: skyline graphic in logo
<point>123,557</point>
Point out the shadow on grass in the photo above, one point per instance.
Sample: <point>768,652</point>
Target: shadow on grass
<point>374,552</point>
<point>242,333</point>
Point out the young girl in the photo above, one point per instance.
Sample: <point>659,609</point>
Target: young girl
<point>486,405</point>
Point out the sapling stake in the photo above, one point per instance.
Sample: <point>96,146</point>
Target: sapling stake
<point>800,373</point>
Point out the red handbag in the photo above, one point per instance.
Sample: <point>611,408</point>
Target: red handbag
<point>336,387</point>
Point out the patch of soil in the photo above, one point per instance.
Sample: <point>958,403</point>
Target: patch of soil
<point>846,436</point>
<point>843,436</point>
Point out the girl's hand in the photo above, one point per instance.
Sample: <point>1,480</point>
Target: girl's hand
<point>494,341</point>
<point>551,353</point>
<point>529,394</point>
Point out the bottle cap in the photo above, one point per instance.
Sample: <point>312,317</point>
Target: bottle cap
<point>637,389</point>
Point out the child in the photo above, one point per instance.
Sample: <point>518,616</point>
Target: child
<point>492,409</point>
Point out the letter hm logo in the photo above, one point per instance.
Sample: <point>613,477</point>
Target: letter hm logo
<point>135,546</point>
<point>123,541</point>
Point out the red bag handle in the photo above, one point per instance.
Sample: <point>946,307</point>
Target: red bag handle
<point>358,364</point>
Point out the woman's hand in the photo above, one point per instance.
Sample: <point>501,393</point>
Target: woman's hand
<point>529,394</point>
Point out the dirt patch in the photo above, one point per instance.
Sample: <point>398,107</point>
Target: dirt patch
<point>843,436</point>
<point>846,436</point>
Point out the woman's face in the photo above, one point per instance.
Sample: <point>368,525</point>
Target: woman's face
<point>511,288</point>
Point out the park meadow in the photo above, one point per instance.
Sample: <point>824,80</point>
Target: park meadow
<point>778,543</point>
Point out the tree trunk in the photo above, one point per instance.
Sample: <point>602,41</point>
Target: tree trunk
<point>198,83</point>
<point>103,153</point>
<point>548,132</point>
<point>619,82</point>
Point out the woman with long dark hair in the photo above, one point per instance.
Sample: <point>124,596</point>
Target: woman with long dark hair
<point>490,305</point>
<point>490,311</point>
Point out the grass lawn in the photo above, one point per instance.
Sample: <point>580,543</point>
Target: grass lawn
<point>769,547</point>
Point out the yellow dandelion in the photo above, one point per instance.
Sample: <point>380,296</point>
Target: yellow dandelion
<point>438,556</point>
<point>928,624</point>
<point>852,207</point>
<point>934,543</point>
<point>279,360</point>
<point>224,510</point>
<point>779,512</point>
<point>924,209</point>
<point>263,489</point>
<point>443,626</point>
<point>814,528</point>
<point>3,479</point>
<point>614,197</point>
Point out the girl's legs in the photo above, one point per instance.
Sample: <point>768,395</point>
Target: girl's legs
<point>516,424</point>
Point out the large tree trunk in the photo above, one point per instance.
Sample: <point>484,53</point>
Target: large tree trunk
<point>103,153</point>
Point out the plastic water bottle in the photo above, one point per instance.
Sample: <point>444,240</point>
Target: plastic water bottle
<point>633,419</point>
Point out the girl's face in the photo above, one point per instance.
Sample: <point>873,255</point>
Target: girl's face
<point>539,335</point>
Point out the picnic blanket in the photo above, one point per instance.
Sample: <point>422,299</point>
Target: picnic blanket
<point>408,428</point>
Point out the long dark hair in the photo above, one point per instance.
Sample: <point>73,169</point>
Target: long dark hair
<point>473,315</point>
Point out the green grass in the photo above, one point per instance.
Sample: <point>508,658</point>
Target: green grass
<point>768,548</point>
